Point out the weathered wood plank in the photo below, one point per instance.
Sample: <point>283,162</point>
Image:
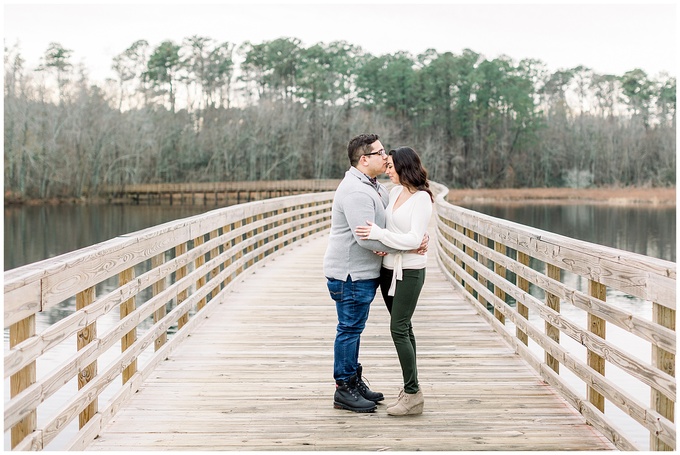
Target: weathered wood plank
<point>257,375</point>
<point>38,286</point>
<point>635,274</point>
<point>633,407</point>
<point>623,272</point>
<point>637,325</point>
<point>554,320</point>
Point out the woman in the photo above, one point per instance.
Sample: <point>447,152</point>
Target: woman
<point>402,274</point>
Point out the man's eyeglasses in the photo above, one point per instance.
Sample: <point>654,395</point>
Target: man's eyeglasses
<point>382,152</point>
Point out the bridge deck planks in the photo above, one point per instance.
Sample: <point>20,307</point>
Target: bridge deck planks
<point>257,375</point>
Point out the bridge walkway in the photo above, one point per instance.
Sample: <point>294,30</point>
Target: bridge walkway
<point>257,375</point>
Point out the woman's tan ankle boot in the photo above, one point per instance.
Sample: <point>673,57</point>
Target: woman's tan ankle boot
<point>408,404</point>
<point>395,402</point>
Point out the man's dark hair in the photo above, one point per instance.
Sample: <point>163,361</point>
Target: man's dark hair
<point>360,145</point>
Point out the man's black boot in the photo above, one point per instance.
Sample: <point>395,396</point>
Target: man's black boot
<point>348,397</point>
<point>365,391</point>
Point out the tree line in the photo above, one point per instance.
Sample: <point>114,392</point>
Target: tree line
<point>201,110</point>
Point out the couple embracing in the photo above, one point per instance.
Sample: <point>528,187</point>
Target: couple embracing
<point>377,239</point>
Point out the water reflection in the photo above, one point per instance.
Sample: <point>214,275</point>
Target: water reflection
<point>640,229</point>
<point>34,233</point>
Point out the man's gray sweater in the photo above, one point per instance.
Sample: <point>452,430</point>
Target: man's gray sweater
<point>356,201</point>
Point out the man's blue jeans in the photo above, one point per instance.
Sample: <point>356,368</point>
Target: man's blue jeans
<point>352,302</point>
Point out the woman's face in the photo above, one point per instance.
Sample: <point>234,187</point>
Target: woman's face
<point>391,172</point>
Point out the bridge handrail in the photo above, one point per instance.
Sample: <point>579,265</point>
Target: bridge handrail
<point>188,265</point>
<point>174,273</point>
<point>490,261</point>
<point>307,186</point>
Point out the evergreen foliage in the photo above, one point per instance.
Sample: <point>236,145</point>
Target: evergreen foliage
<point>207,111</point>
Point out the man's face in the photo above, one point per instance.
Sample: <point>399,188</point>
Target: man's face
<point>376,159</point>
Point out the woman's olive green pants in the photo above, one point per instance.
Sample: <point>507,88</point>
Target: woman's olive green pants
<point>401,307</point>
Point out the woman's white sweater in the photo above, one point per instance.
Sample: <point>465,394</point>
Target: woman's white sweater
<point>404,230</point>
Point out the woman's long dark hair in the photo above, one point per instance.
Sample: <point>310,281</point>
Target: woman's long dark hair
<point>410,170</point>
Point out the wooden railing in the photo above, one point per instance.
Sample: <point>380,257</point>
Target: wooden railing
<point>517,278</point>
<point>162,281</point>
<point>165,279</point>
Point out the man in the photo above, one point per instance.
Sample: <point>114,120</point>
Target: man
<point>352,268</point>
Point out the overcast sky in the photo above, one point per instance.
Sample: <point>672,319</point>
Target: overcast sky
<point>609,37</point>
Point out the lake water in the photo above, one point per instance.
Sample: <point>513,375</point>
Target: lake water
<point>34,233</point>
<point>643,229</point>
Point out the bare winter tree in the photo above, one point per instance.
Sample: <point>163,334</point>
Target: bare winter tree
<point>183,113</point>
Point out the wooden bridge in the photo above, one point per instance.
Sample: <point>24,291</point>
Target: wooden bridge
<point>215,332</point>
<point>216,194</point>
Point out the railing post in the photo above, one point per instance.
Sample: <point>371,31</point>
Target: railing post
<point>214,272</point>
<point>272,235</point>
<point>85,337</point>
<point>24,378</point>
<point>158,287</point>
<point>553,302</point>
<point>500,271</point>
<point>249,234</point>
<point>468,267</point>
<point>179,274</point>
<point>522,309</point>
<point>198,263</point>
<point>260,229</point>
<point>230,259</point>
<point>126,308</point>
<point>239,241</point>
<point>596,326</point>
<point>459,244</point>
<point>665,361</point>
<point>306,214</point>
<point>485,262</point>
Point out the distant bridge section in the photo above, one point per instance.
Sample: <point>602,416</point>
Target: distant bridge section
<point>214,193</point>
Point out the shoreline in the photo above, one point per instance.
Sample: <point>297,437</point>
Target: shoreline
<point>609,196</point>
<point>612,196</point>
